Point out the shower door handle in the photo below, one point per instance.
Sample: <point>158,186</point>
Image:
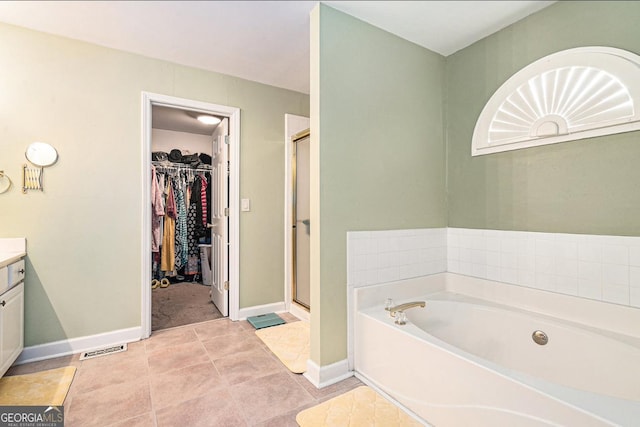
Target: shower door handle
<point>307,224</point>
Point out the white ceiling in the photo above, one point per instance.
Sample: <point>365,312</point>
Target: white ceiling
<point>179,120</point>
<point>263,41</point>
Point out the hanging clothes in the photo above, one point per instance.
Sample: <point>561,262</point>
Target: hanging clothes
<point>179,221</point>
<point>157,211</point>
<point>181,243</point>
<point>168,257</point>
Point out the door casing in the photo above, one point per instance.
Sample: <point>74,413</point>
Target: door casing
<point>233,114</point>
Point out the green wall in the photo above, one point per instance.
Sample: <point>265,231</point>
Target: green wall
<point>83,232</point>
<point>586,186</point>
<point>381,151</point>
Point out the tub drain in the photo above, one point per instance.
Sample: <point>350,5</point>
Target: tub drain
<point>539,337</point>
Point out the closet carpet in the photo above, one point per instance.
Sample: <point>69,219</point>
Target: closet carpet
<point>181,304</point>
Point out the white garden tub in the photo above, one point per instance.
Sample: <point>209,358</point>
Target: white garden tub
<point>469,359</point>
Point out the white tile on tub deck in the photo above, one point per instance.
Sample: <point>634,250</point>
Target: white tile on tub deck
<point>355,235</point>
<point>526,278</point>
<point>567,249</point>
<point>634,255</point>
<point>615,274</point>
<point>372,261</point>
<point>453,238</point>
<point>479,270</point>
<point>453,253</point>
<point>494,234</point>
<point>494,259</point>
<point>566,267</point>
<point>493,244</point>
<point>526,262</point>
<point>466,268</point>
<point>371,246</point>
<point>545,281</point>
<point>545,265</point>
<point>591,271</point>
<point>413,257</point>
<point>509,275</point>
<point>634,277</point>
<point>371,277</point>
<point>615,294</point>
<point>388,274</point>
<point>615,254</point>
<point>589,289</point>
<point>478,256</point>
<point>589,251</point>
<point>394,244</point>
<point>564,237</point>
<point>509,245</point>
<point>359,262</point>
<point>408,271</point>
<point>478,242</point>
<point>634,297</point>
<point>567,285</point>
<point>494,273</point>
<point>357,278</point>
<point>509,260</point>
<point>545,247</point>
<point>388,259</point>
<point>526,246</point>
<point>465,255</point>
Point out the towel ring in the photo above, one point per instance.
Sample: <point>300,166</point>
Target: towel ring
<point>5,182</point>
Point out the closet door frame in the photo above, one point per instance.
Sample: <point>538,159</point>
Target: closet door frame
<point>233,114</point>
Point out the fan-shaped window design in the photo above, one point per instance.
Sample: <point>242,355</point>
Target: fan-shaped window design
<point>573,94</point>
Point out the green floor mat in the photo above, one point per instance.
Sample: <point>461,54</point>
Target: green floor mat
<point>265,320</point>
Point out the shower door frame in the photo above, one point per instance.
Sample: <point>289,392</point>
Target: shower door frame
<point>305,134</point>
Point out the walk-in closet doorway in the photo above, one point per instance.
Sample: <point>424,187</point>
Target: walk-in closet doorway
<point>223,225</point>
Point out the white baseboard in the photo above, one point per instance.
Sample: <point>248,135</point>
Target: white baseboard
<point>77,345</point>
<point>299,312</point>
<point>322,376</point>
<point>257,310</point>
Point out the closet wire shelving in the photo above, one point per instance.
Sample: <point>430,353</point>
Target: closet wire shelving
<point>163,166</point>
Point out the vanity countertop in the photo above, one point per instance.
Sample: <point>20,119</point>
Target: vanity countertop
<point>7,258</point>
<point>11,250</point>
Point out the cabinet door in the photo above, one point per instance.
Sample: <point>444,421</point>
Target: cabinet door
<point>11,326</point>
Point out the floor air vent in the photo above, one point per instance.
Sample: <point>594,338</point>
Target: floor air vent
<point>103,351</point>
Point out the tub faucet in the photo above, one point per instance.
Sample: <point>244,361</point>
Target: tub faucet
<point>398,311</point>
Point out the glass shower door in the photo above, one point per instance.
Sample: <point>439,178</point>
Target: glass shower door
<point>301,223</point>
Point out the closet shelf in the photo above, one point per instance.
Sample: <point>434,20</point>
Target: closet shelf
<point>180,166</point>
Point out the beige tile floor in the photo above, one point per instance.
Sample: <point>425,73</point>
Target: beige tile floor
<point>215,373</point>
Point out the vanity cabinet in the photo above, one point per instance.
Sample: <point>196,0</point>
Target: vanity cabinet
<point>11,326</point>
<point>11,313</point>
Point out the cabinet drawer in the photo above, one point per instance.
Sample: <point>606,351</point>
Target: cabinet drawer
<point>16,272</point>
<point>4,279</point>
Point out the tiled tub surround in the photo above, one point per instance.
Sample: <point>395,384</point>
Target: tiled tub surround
<point>384,256</point>
<point>604,268</point>
<point>476,336</point>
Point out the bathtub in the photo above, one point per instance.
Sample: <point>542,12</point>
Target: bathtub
<point>468,357</point>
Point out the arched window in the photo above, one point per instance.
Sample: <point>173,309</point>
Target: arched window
<point>573,94</point>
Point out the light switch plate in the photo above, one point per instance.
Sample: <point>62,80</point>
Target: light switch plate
<point>245,205</point>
